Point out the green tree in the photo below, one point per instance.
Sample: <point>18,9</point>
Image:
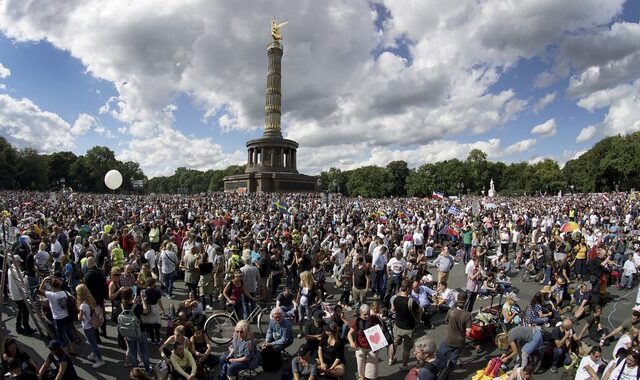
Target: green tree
<point>370,182</point>
<point>60,166</point>
<point>8,165</point>
<point>33,170</point>
<point>421,182</point>
<point>399,171</point>
<point>99,161</point>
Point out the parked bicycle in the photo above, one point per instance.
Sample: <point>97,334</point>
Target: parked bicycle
<point>220,325</point>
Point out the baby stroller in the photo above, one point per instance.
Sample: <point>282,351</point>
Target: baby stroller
<point>487,324</point>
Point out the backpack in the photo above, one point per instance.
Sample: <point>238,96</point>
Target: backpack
<point>69,303</point>
<point>128,324</point>
<point>97,317</point>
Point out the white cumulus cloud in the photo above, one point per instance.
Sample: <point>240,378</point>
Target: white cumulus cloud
<point>519,147</point>
<point>586,133</point>
<point>24,124</point>
<point>546,129</point>
<point>83,124</point>
<point>4,72</point>
<point>544,102</point>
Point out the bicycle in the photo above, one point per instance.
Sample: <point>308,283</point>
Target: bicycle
<point>220,326</point>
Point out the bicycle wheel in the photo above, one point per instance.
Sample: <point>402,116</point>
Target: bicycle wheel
<point>220,328</point>
<point>263,321</point>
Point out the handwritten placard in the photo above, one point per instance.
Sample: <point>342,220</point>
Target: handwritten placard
<point>376,338</point>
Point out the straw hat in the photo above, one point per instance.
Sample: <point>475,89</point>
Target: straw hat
<point>546,289</point>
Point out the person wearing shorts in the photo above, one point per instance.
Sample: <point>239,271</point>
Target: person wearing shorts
<point>367,360</point>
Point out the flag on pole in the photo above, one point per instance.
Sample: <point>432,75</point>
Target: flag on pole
<point>437,195</point>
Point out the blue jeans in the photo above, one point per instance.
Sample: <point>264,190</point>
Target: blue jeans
<point>91,335</point>
<point>377,282</point>
<point>168,283</point>
<point>64,331</point>
<point>448,354</point>
<point>139,343</point>
<point>232,369</point>
<point>626,282</point>
<point>467,253</point>
<point>547,276</point>
<point>532,346</point>
<point>560,357</point>
<point>248,305</point>
<point>540,320</point>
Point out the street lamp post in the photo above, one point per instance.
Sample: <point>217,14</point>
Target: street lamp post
<point>572,189</point>
<point>460,187</point>
<point>617,183</point>
<point>483,189</point>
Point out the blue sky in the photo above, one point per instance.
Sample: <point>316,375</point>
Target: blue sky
<point>363,82</point>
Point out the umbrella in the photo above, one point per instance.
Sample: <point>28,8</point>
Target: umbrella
<point>569,227</point>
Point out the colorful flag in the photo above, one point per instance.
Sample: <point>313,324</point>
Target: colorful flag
<point>453,210</point>
<point>281,206</point>
<point>437,195</point>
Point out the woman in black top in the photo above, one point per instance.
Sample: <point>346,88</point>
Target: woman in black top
<point>206,281</point>
<point>331,353</point>
<point>203,349</point>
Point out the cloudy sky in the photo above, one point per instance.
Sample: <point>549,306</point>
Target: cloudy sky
<point>181,83</point>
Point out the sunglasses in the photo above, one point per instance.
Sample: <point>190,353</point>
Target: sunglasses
<point>239,331</point>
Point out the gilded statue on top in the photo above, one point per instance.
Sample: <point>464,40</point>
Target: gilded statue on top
<point>275,29</point>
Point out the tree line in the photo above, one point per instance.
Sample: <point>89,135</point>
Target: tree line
<point>613,163</point>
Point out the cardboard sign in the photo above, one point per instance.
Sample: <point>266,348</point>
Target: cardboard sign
<point>375,337</point>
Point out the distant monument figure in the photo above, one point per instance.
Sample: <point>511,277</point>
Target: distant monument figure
<point>492,189</point>
<point>271,159</point>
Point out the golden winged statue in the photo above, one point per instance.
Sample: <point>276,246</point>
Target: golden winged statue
<point>275,29</point>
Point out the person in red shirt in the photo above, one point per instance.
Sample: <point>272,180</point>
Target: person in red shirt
<point>366,359</point>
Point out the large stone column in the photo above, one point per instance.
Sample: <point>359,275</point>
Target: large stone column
<point>272,103</point>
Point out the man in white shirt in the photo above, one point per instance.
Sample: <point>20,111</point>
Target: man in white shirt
<point>418,239</point>
<point>395,271</point>
<point>589,364</point>
<point>150,256</point>
<point>338,256</point>
<point>378,270</point>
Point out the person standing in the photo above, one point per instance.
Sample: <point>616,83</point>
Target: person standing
<point>58,300</point>
<point>444,262</point>
<point>378,269</point>
<point>395,271</point>
<point>250,276</point>
<point>137,344</point>
<point>86,308</point>
<point>458,326</point>
<point>189,263</point>
<point>473,272</point>
<point>22,319</point>
<point>367,360</point>
<point>96,281</point>
<point>169,262</point>
<point>405,309</point>
<point>361,282</point>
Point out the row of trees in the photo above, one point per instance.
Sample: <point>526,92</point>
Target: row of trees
<point>26,169</point>
<point>612,164</point>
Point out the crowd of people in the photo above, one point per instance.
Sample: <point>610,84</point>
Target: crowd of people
<point>329,272</point>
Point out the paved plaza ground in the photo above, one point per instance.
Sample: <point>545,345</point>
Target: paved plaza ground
<point>616,311</point>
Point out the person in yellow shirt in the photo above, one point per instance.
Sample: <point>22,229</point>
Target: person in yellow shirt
<point>184,366</point>
<point>581,258</point>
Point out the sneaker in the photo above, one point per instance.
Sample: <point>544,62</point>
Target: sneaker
<point>168,297</point>
<point>91,356</point>
<point>299,336</point>
<point>392,361</point>
<point>554,369</point>
<point>98,364</point>
<point>209,307</point>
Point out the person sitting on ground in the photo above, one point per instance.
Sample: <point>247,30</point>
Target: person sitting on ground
<point>582,299</point>
<point>15,371</point>
<point>589,365</point>
<point>331,357</point>
<point>626,325</point>
<point>13,352</point>
<point>510,310</point>
<point>422,294</point>
<point>314,330</point>
<point>183,365</point>
<point>538,315</point>
<point>203,349</point>
<point>565,344</point>
<point>503,281</point>
<point>627,368</point>
<point>489,286</point>
<point>446,298</point>
<point>61,360</point>
<point>594,328</point>
<point>279,333</point>
<point>560,296</point>
<point>178,336</point>
<point>285,301</point>
<point>628,340</point>
<point>303,365</point>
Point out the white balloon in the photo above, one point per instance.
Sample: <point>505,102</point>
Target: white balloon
<point>113,179</point>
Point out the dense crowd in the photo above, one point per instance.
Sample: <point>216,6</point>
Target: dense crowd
<point>328,270</point>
